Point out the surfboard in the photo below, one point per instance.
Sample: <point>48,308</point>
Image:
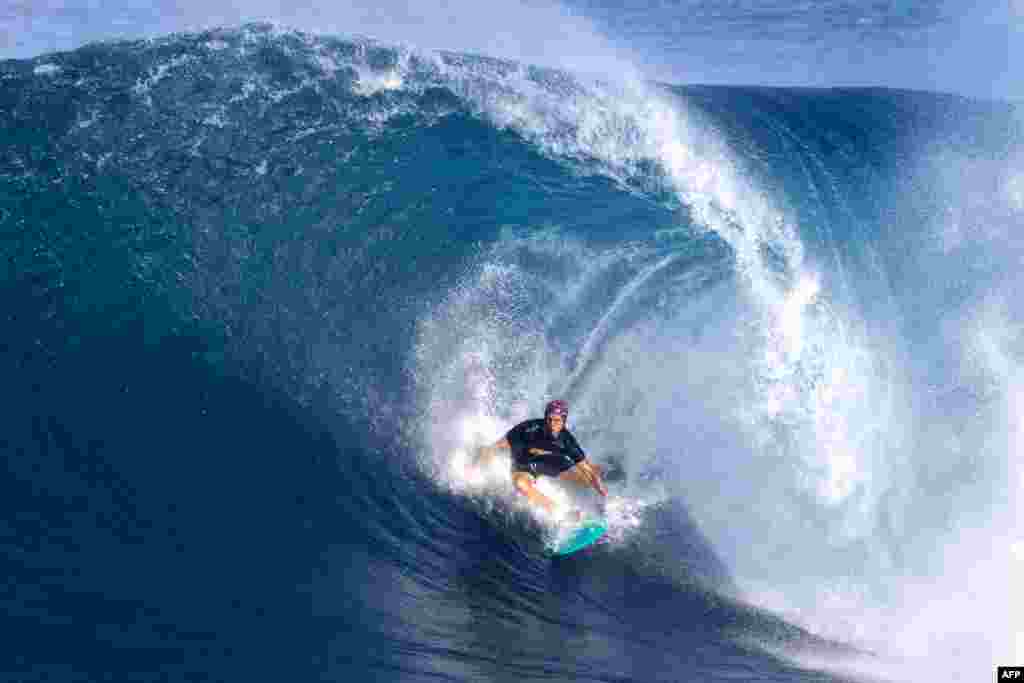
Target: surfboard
<point>586,534</point>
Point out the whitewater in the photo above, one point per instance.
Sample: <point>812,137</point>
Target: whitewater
<point>265,291</point>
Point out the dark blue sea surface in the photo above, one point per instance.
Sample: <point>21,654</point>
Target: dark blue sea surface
<point>254,284</point>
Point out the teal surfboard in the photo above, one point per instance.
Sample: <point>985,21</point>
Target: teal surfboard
<point>587,533</point>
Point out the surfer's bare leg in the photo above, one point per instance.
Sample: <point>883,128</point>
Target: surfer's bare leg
<point>527,486</point>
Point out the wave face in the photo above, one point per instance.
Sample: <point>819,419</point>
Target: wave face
<point>263,292</point>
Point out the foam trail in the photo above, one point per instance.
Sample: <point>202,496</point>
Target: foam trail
<point>590,344</point>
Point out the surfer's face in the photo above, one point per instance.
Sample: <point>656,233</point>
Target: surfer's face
<point>555,423</point>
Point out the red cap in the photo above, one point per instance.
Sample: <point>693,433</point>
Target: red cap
<point>557,407</point>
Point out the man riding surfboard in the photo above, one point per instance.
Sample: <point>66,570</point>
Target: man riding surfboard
<point>545,448</point>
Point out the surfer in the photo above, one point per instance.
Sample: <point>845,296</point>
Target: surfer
<point>545,448</point>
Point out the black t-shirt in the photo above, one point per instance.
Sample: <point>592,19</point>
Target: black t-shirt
<point>533,445</point>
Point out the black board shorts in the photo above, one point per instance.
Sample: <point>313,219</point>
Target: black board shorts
<point>550,465</point>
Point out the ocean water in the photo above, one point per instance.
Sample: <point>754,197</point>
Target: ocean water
<point>264,291</point>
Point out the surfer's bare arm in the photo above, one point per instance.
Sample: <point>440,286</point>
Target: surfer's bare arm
<point>591,474</point>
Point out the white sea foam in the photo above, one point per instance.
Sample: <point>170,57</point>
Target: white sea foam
<point>144,86</point>
<point>46,69</point>
<point>1015,190</point>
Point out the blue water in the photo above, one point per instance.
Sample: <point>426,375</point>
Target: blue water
<point>263,291</point>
